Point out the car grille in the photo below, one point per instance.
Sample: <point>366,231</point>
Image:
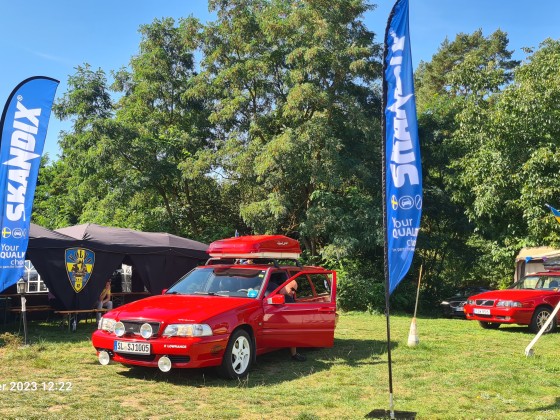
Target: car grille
<point>484,302</point>
<point>457,303</point>
<point>133,327</point>
<point>138,357</point>
<point>179,359</point>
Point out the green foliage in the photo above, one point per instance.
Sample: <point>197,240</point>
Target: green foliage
<point>361,287</point>
<point>460,243</point>
<point>288,90</point>
<point>277,130</point>
<point>510,165</point>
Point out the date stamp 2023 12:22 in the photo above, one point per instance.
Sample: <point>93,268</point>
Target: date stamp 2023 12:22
<point>32,386</point>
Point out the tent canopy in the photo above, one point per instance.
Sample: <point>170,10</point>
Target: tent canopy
<point>40,236</point>
<point>134,241</point>
<point>75,262</point>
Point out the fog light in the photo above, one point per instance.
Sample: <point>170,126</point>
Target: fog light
<point>119,329</point>
<point>146,331</point>
<point>104,358</point>
<point>164,364</point>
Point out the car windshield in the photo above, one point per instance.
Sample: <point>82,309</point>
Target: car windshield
<point>537,282</point>
<point>239,282</point>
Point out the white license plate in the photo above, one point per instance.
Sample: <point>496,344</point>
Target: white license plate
<point>129,347</point>
<point>482,311</point>
<point>459,309</point>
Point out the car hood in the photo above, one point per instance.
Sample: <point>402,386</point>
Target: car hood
<point>173,308</point>
<point>514,294</point>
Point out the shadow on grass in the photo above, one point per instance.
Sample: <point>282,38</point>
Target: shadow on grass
<point>554,406</point>
<point>275,367</point>
<point>270,368</point>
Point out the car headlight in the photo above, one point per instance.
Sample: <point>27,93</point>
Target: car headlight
<point>146,330</point>
<point>471,301</point>
<point>508,304</point>
<point>106,324</point>
<point>187,330</point>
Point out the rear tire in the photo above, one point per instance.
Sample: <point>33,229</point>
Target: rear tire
<point>539,318</point>
<point>489,325</point>
<point>238,356</point>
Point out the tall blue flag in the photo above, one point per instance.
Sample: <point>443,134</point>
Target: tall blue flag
<point>24,127</point>
<point>402,165</point>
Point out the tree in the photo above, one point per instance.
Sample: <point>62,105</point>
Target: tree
<point>295,119</point>
<point>142,162</point>
<point>455,91</point>
<point>163,136</point>
<point>512,173</point>
<point>69,185</point>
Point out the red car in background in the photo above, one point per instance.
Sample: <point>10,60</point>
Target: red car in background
<point>530,302</point>
<point>226,312</point>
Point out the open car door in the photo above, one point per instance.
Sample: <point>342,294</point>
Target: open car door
<point>310,320</point>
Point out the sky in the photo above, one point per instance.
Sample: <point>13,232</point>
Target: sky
<point>51,38</point>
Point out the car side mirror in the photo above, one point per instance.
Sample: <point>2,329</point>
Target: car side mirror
<point>164,291</point>
<point>277,299</point>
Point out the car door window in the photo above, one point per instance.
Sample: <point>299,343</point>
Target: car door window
<point>304,290</point>
<point>276,279</point>
<point>322,285</point>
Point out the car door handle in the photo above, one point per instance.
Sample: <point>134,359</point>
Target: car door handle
<point>330,310</point>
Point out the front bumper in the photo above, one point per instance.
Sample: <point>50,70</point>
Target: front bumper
<point>453,310</point>
<point>184,352</point>
<point>520,316</point>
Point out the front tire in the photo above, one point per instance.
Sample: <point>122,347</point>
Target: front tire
<point>489,325</point>
<point>539,318</point>
<point>238,356</point>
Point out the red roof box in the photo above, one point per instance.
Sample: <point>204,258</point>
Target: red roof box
<point>257,246</point>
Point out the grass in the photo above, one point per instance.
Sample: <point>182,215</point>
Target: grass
<point>458,371</point>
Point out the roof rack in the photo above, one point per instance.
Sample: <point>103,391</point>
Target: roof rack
<point>242,261</point>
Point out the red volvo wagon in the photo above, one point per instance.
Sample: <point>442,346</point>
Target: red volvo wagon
<point>226,312</point>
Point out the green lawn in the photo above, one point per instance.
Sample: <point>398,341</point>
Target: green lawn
<point>458,371</point>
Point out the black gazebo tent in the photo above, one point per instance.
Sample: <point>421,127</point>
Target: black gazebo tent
<point>158,259</point>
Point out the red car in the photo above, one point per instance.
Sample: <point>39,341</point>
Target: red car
<point>528,302</point>
<point>226,312</point>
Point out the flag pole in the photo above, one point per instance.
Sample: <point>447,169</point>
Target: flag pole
<point>385,229</point>
<point>385,233</point>
<point>399,110</point>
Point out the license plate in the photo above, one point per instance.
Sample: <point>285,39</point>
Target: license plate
<point>459,309</point>
<point>482,311</point>
<point>129,347</point>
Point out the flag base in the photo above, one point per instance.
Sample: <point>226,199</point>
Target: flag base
<point>386,414</point>
<point>413,335</point>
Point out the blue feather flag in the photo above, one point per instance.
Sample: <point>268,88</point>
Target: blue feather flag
<point>24,128</point>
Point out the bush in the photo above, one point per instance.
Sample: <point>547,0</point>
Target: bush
<point>360,287</point>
